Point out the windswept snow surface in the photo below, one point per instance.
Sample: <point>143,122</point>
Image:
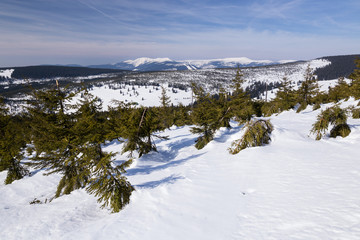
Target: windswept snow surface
<point>293,188</point>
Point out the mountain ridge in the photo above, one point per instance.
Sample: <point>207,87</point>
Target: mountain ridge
<point>166,64</point>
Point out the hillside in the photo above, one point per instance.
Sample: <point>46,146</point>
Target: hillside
<point>341,66</point>
<point>294,188</point>
<point>211,79</point>
<point>71,156</point>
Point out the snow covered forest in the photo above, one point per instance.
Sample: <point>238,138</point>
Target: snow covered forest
<point>246,153</point>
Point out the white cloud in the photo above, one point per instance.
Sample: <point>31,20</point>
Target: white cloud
<point>274,8</point>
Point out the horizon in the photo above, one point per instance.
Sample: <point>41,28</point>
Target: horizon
<point>39,32</point>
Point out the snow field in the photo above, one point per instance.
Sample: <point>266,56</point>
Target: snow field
<point>144,96</point>
<point>6,73</point>
<point>293,188</point>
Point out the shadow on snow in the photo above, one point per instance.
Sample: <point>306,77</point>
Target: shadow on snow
<point>147,169</point>
<point>153,184</point>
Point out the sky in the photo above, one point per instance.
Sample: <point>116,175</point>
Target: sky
<point>89,32</point>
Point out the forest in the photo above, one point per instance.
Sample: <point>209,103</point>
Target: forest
<point>50,71</point>
<point>341,66</point>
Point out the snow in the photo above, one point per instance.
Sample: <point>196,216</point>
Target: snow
<point>6,73</point>
<point>286,61</point>
<point>293,188</point>
<point>319,63</point>
<point>144,60</point>
<point>144,96</point>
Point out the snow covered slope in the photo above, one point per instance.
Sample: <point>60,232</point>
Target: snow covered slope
<point>142,95</point>
<point>210,79</point>
<point>6,73</point>
<point>294,188</point>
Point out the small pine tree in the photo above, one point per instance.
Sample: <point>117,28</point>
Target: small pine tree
<point>308,90</point>
<point>109,185</point>
<point>269,108</point>
<point>205,116</point>
<point>105,180</point>
<point>164,99</point>
<point>139,129</point>
<point>285,96</point>
<point>164,111</point>
<point>257,133</point>
<point>238,82</point>
<point>335,116</point>
<point>340,91</point>
<point>224,108</point>
<point>355,80</point>
<point>240,102</point>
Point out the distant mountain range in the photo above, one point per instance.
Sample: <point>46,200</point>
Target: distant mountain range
<point>341,66</point>
<point>166,64</point>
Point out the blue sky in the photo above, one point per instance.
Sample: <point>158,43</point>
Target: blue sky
<point>107,31</point>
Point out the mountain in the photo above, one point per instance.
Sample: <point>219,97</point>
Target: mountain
<point>166,64</point>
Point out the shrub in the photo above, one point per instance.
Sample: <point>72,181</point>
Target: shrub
<point>342,130</point>
<point>257,134</point>
<point>316,106</point>
<point>335,116</point>
<point>356,113</point>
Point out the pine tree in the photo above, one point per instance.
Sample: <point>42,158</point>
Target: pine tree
<point>355,80</point>
<point>71,144</point>
<point>257,133</point>
<point>308,90</point>
<point>240,103</point>
<point>224,109</point>
<point>139,129</point>
<point>205,116</point>
<point>12,144</point>
<point>181,115</point>
<point>164,99</point>
<point>117,117</point>
<point>335,116</point>
<point>105,180</point>
<point>164,111</point>
<point>285,96</point>
<point>340,91</point>
<point>56,145</point>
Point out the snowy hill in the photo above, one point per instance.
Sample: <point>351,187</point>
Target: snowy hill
<point>128,85</point>
<point>294,188</point>
<point>163,64</point>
